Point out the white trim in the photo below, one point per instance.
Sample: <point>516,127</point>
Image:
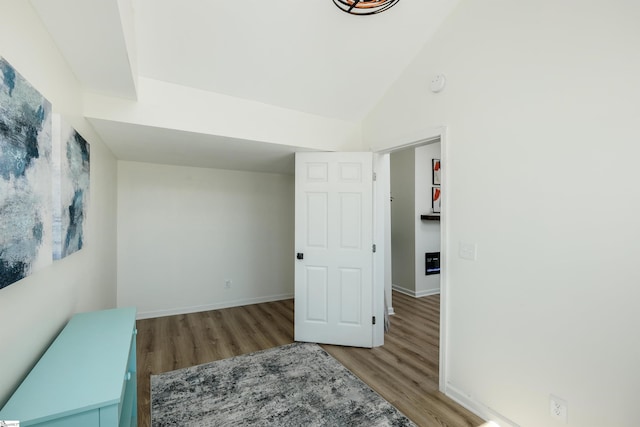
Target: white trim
<point>410,139</point>
<point>415,294</point>
<point>444,260</point>
<point>379,256</point>
<point>403,290</point>
<point>421,294</point>
<point>478,408</point>
<point>390,311</point>
<point>421,137</point>
<point>208,307</point>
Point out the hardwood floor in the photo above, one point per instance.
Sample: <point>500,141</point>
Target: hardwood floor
<point>404,371</point>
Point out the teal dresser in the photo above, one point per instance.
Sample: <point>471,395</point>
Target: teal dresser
<point>87,377</point>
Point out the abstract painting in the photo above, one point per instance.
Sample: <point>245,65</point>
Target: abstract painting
<point>436,199</point>
<point>436,171</point>
<point>70,188</point>
<point>25,178</point>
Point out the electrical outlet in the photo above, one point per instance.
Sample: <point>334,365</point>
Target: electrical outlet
<point>227,284</point>
<point>558,408</point>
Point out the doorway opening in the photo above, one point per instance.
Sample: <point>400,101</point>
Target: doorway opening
<point>415,219</point>
<point>427,235</point>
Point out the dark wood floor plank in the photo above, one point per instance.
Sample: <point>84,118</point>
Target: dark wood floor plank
<point>404,371</point>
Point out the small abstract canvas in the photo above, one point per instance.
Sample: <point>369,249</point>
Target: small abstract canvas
<point>436,171</point>
<point>25,177</point>
<point>436,199</point>
<point>70,188</point>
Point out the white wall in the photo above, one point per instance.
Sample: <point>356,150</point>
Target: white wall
<point>427,232</point>
<point>542,111</point>
<point>183,231</point>
<point>33,310</point>
<point>403,234</point>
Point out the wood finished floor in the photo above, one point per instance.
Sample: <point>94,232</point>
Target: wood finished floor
<point>404,371</point>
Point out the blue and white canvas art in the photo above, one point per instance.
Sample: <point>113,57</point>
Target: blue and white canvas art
<point>70,188</point>
<point>25,178</point>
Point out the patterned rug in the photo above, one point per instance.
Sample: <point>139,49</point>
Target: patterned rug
<point>293,385</point>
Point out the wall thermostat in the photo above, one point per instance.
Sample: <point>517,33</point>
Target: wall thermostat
<point>437,83</point>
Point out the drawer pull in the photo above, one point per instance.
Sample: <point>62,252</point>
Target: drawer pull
<point>128,376</point>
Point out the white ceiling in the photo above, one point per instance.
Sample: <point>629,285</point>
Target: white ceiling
<point>156,145</point>
<point>92,40</point>
<point>302,55</point>
<point>306,56</point>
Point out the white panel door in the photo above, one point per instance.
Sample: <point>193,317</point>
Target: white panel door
<point>333,242</point>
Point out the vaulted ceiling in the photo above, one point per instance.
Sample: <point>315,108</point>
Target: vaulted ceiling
<point>289,56</point>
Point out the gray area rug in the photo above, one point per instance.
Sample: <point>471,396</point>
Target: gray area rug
<point>293,385</point>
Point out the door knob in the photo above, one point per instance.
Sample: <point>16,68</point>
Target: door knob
<point>300,255</point>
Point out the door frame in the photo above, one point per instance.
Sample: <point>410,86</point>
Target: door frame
<point>382,224</point>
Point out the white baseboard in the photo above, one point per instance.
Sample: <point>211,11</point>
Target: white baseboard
<point>207,307</point>
<point>415,294</point>
<point>421,294</point>
<point>478,408</point>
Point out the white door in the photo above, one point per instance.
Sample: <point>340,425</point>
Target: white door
<point>333,244</point>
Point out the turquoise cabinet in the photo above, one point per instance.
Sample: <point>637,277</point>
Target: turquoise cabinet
<point>87,377</point>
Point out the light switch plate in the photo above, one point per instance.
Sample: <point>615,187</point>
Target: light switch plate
<point>468,251</point>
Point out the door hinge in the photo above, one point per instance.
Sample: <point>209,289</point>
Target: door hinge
<point>375,176</point>
<point>373,320</point>
<point>374,248</point>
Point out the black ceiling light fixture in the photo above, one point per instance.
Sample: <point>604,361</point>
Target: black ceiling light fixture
<point>364,7</point>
